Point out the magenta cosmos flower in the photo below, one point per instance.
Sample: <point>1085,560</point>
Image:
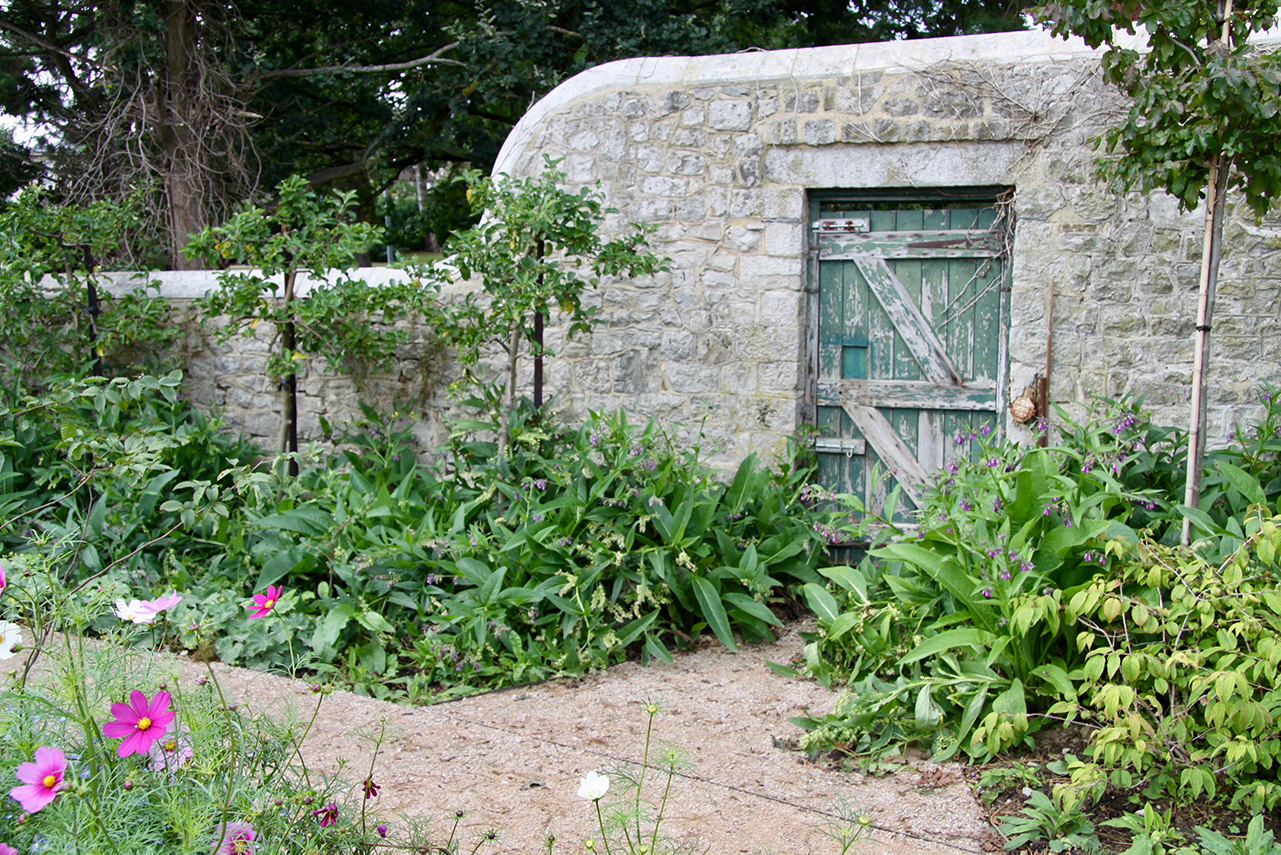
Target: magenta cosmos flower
<point>328,815</point>
<point>41,779</point>
<point>237,839</point>
<point>264,603</point>
<point>140,722</point>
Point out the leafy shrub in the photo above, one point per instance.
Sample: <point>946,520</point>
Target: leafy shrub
<point>1042,585</point>
<point>954,635</point>
<point>1179,680</point>
<point>68,324</point>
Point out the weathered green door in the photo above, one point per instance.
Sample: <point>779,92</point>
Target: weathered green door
<point>911,339</point>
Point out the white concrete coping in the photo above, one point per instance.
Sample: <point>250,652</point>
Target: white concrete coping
<point>194,284</point>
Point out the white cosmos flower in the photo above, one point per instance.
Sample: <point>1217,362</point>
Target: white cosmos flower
<point>10,637</point>
<point>135,611</point>
<point>593,787</point>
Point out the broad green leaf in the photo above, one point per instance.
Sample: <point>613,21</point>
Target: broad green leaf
<point>1243,482</point>
<point>655,647</point>
<point>820,602</point>
<point>1058,678</point>
<point>709,599</point>
<point>757,610</point>
<point>962,637</point>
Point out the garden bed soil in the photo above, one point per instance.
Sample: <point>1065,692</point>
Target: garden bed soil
<point>512,759</point>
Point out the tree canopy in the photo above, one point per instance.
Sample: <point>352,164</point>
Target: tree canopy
<point>204,101</point>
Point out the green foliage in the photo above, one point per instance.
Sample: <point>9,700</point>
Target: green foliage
<point>342,320</point>
<point>580,547</point>
<point>538,248</point>
<point>338,319</point>
<point>1153,832</point>
<point>68,324</point>
<point>1257,841</point>
<point>1043,585</point>
<point>1059,821</point>
<point>1194,98</point>
<point>445,210</point>
<point>954,637</point>
<point>1180,671</point>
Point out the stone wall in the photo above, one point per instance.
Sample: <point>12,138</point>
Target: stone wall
<point>720,154</point>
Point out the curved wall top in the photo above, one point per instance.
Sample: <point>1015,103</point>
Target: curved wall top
<point>796,64</point>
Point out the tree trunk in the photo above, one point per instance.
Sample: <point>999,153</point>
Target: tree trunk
<point>1211,251</point>
<point>289,416</point>
<point>177,96</point>
<point>505,417</point>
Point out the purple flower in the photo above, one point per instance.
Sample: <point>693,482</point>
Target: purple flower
<point>328,815</point>
<point>540,484</point>
<point>1025,566</point>
<point>985,430</point>
<point>987,592</point>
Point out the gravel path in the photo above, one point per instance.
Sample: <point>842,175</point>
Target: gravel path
<point>512,759</point>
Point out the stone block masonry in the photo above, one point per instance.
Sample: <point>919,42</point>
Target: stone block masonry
<point>719,154</point>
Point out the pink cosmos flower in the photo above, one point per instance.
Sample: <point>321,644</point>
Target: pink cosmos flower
<point>264,603</point>
<point>237,839</point>
<point>328,815</point>
<point>42,779</point>
<point>140,722</point>
<point>172,751</point>
<point>6,849</point>
<point>2,584</point>
<point>160,604</point>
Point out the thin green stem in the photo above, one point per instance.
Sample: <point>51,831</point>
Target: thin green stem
<point>653,841</point>
<point>320,697</point>
<point>231,733</point>
<point>649,728</point>
<point>369,777</point>
<point>289,639</point>
<point>600,820</point>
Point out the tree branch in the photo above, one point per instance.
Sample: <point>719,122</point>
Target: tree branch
<point>50,46</point>
<point>431,59</point>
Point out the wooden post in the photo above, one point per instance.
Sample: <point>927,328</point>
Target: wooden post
<point>1210,252</point>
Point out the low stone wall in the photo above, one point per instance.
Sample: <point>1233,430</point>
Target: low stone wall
<point>231,377</point>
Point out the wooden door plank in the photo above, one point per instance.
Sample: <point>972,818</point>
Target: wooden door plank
<point>911,394</point>
<point>892,451</point>
<point>908,320</point>
<point>942,243</point>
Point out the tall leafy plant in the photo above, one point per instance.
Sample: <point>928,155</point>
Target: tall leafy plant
<point>55,317</point>
<point>538,247</point>
<point>340,318</point>
<point>1204,118</point>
